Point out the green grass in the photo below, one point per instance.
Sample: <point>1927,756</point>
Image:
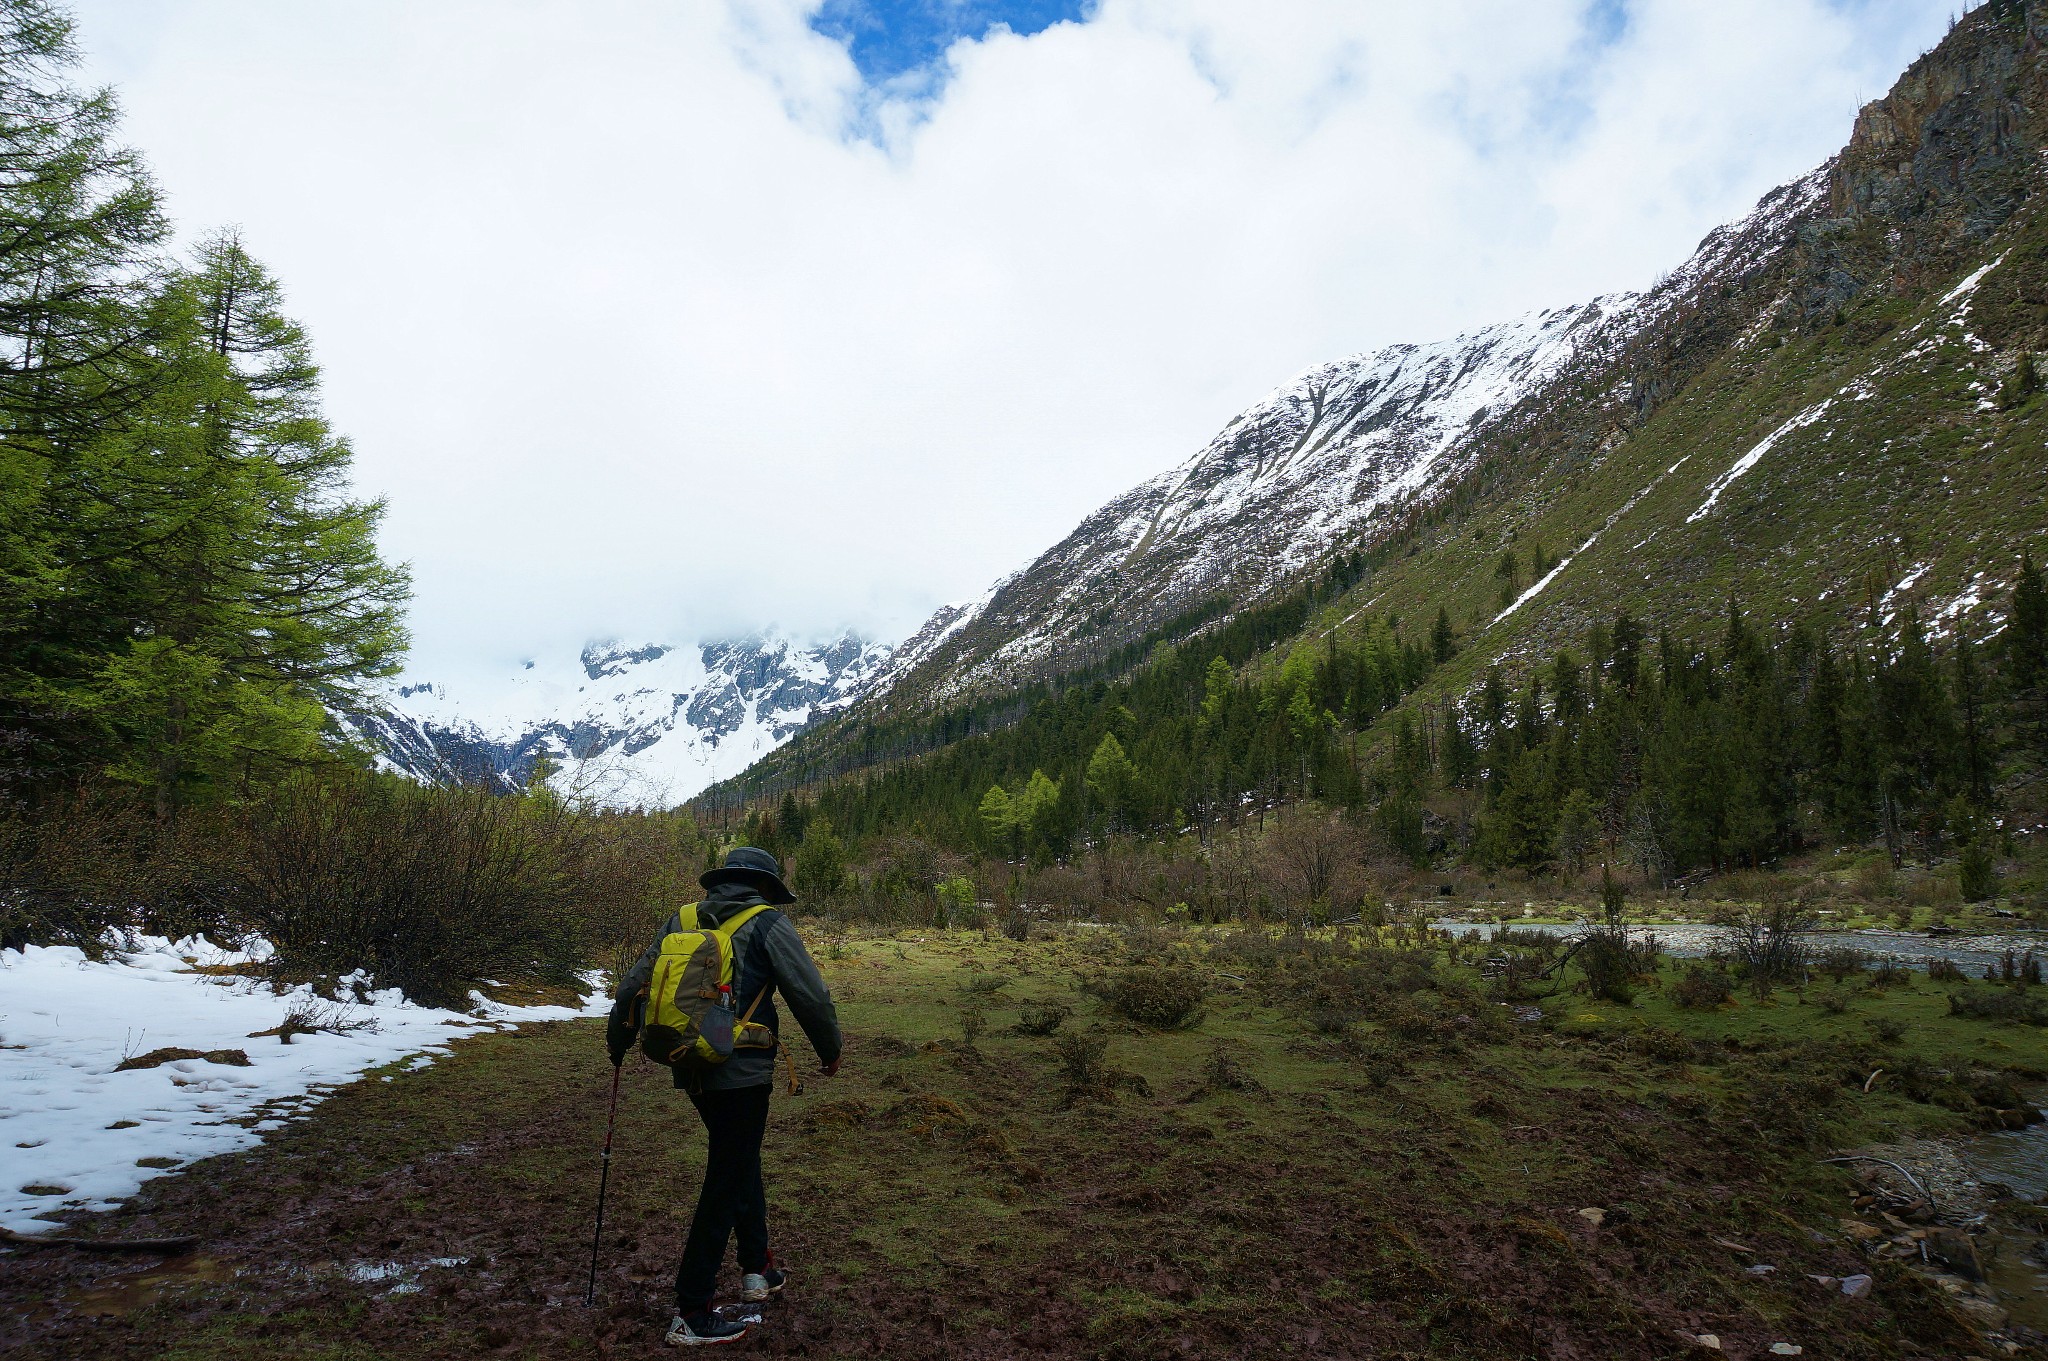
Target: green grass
<point>1373,1195</point>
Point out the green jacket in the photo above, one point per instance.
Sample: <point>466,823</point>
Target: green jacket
<point>767,954</point>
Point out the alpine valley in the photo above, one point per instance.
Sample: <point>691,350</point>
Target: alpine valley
<point>1827,414</point>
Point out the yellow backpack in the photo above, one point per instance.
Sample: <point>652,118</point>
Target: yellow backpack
<point>688,1020</point>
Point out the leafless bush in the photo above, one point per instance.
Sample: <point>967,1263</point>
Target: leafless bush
<point>76,868</point>
<point>428,890</point>
<point>1315,855</point>
<point>1767,940</point>
<point>315,1017</point>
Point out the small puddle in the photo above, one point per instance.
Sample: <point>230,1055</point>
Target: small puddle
<point>398,1278</point>
<point>120,1296</point>
<point>2014,1248</point>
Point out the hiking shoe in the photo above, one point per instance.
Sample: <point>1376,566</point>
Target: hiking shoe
<point>757,1286</point>
<point>704,1329</point>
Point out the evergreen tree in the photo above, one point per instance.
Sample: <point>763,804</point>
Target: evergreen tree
<point>2026,632</point>
<point>999,820</point>
<point>1217,683</point>
<point>79,228</point>
<point>821,861</point>
<point>1627,645</point>
<point>1113,779</point>
<point>249,582</point>
<point>1459,757</point>
<point>1578,830</point>
<point>1442,642</point>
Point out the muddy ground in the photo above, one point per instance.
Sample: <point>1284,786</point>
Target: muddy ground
<point>942,1199</point>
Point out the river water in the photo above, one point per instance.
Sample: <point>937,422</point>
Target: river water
<point>1693,940</point>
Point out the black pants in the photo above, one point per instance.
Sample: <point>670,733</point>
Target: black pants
<point>732,1200</point>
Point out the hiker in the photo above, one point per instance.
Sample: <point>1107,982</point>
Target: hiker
<point>732,1096</point>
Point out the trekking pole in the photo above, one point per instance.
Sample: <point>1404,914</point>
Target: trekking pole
<point>603,1182</point>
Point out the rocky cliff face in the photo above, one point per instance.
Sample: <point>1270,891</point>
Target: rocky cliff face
<point>647,725</point>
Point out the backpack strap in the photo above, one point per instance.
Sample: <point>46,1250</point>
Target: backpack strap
<point>731,925</point>
<point>730,928</point>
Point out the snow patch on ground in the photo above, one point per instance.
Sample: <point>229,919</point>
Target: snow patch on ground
<point>67,1022</point>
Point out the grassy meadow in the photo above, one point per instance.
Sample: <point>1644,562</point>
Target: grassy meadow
<point>1351,1142</point>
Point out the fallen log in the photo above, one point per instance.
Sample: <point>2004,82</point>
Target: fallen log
<point>168,1246</point>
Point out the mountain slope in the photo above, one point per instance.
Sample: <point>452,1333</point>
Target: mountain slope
<point>1332,459</point>
<point>1824,413</point>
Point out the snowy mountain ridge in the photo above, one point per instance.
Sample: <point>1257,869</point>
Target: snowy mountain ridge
<point>644,725</point>
<point>1332,458</point>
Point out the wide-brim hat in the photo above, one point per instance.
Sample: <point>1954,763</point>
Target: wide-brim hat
<point>754,868</point>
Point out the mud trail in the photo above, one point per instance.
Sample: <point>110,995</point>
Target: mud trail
<point>943,1204</point>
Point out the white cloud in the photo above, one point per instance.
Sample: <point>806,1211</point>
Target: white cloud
<point>641,339</point>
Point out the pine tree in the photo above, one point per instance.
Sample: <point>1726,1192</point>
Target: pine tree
<point>1578,829</point>
<point>2026,634</point>
<point>249,582</point>
<point>1458,757</point>
<point>999,820</point>
<point>1443,643</point>
<point>1217,683</point>
<point>79,231</point>
<point>1113,779</point>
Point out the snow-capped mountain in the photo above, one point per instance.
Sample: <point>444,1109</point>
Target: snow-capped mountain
<point>1330,460</point>
<point>647,725</point>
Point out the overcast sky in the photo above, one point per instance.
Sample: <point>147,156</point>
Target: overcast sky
<point>678,318</point>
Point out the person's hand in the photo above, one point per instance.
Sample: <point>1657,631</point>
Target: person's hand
<point>618,1038</point>
<point>830,1070</point>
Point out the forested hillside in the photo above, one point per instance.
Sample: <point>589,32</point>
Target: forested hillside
<point>1786,493</point>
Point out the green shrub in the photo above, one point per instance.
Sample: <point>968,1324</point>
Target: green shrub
<point>1840,961</point>
<point>1889,1029</point>
<point>1042,1020</point>
<point>1999,1004</point>
<point>1703,989</point>
<point>1610,966</point>
<point>1085,1071</point>
<point>1163,996</point>
<point>1834,1001</point>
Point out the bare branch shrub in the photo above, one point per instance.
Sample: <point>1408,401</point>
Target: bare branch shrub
<point>1315,856</point>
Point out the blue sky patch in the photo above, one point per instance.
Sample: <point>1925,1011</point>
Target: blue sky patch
<point>891,38</point>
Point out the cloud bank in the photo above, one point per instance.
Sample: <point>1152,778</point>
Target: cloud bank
<point>661,321</point>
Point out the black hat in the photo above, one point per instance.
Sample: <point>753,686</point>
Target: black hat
<point>756,869</point>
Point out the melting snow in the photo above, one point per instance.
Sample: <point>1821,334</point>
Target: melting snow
<point>1749,460</point>
<point>1969,285</point>
<point>67,1022</point>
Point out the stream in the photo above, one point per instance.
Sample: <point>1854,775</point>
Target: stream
<point>1694,940</point>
